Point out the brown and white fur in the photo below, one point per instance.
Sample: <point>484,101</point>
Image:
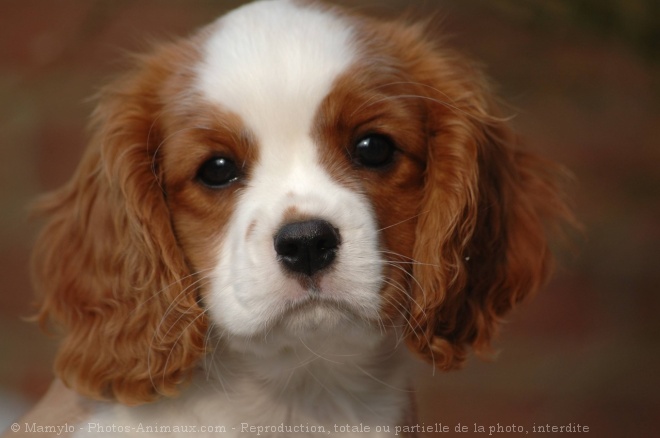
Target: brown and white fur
<point>267,214</point>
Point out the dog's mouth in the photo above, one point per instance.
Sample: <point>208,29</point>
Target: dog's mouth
<point>316,312</point>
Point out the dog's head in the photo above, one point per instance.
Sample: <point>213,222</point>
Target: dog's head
<point>289,170</point>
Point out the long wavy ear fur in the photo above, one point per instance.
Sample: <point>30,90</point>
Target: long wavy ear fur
<point>107,266</point>
<point>487,206</point>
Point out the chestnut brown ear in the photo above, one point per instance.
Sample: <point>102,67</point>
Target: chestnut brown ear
<point>481,237</point>
<point>107,266</point>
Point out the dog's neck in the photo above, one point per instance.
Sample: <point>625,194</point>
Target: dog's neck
<point>327,379</point>
<point>347,385</point>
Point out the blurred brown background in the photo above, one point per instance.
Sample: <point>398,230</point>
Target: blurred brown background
<point>584,77</point>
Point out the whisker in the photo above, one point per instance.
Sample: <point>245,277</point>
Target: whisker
<point>426,338</point>
<point>368,374</point>
<point>181,313</point>
<point>403,221</point>
<point>177,281</point>
<point>176,341</point>
<point>192,285</point>
<point>421,288</point>
<point>411,260</point>
<point>396,305</point>
<point>212,362</point>
<point>156,332</point>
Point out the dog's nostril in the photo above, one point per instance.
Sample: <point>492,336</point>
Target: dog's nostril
<point>288,249</point>
<point>307,247</point>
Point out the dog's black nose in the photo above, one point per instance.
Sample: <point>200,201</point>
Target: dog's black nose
<point>307,247</point>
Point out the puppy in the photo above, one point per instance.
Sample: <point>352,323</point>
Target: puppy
<point>271,213</point>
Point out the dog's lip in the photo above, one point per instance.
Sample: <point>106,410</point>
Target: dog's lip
<point>315,297</point>
<point>314,301</point>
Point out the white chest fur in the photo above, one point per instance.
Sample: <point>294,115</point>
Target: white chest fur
<point>303,392</point>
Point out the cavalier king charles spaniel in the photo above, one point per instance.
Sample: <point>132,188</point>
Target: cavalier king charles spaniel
<point>271,213</point>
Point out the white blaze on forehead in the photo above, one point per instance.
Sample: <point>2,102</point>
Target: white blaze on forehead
<point>272,63</point>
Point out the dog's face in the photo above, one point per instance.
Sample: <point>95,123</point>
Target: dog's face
<point>307,172</point>
<point>289,170</point>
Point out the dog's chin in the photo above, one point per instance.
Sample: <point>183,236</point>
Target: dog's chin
<point>314,317</point>
<point>314,314</point>
<point>308,323</point>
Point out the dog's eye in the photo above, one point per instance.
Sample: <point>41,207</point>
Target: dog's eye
<point>217,172</point>
<point>374,151</point>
